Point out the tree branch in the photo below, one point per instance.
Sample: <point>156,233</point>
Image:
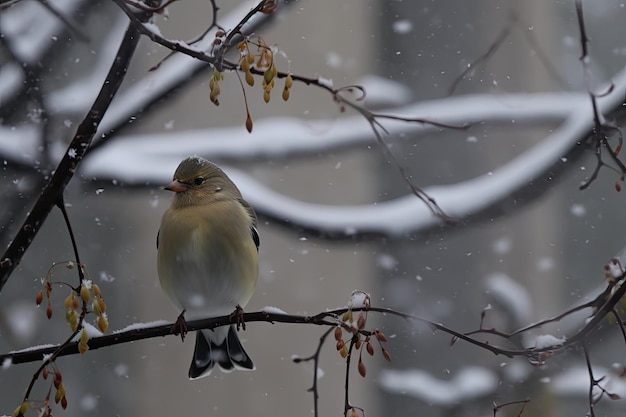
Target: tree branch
<point>71,159</point>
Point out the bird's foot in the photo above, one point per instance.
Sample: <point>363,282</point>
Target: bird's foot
<point>180,326</point>
<point>238,315</point>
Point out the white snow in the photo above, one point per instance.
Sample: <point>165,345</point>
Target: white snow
<point>35,347</point>
<point>273,310</point>
<point>466,384</point>
<point>578,210</point>
<point>402,26</point>
<point>386,261</point>
<point>327,82</point>
<point>139,326</point>
<point>382,91</point>
<point>502,245</point>
<point>545,341</point>
<point>359,299</point>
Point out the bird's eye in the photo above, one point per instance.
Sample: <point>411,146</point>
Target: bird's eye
<point>198,181</point>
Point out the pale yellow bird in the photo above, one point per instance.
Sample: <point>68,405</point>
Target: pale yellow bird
<point>208,259</point>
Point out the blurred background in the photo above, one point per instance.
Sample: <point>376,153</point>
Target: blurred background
<point>544,251</point>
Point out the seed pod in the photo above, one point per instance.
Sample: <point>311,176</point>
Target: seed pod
<point>68,300</point>
<point>338,333</point>
<point>249,123</point>
<point>102,305</point>
<point>386,355</point>
<point>84,293</point>
<point>380,336</point>
<point>82,347</point>
<point>344,351</point>
<point>39,297</point>
<point>249,79</point>
<point>245,65</point>
<point>49,312</point>
<point>369,348</point>
<point>360,322</point>
<point>362,370</point>
<point>58,379</point>
<point>268,75</point>
<point>103,324</point>
<point>75,303</point>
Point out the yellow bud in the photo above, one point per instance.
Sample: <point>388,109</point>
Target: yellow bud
<point>242,46</point>
<point>266,96</point>
<point>245,65</point>
<point>102,305</point>
<point>344,351</point>
<point>84,293</point>
<point>96,290</point>
<point>73,320</point>
<point>285,94</point>
<point>268,75</point>
<point>84,337</point>
<point>103,324</point>
<point>82,348</point>
<point>95,307</point>
<point>250,79</point>
<point>250,59</point>
<point>288,81</point>
<point>69,299</point>
<point>58,395</point>
<point>24,408</point>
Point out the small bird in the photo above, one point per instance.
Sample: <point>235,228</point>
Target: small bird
<point>208,260</point>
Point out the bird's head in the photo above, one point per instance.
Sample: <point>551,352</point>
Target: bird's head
<point>198,181</point>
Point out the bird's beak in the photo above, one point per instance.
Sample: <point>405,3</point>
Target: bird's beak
<point>176,186</point>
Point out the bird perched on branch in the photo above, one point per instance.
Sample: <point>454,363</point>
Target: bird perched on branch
<point>208,260</point>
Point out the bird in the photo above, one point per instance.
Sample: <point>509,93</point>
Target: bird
<point>207,259</point>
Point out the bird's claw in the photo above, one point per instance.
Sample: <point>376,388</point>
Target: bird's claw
<point>180,326</point>
<point>238,316</point>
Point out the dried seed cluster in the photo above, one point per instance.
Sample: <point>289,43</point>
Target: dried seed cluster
<point>358,336</point>
<point>76,301</point>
